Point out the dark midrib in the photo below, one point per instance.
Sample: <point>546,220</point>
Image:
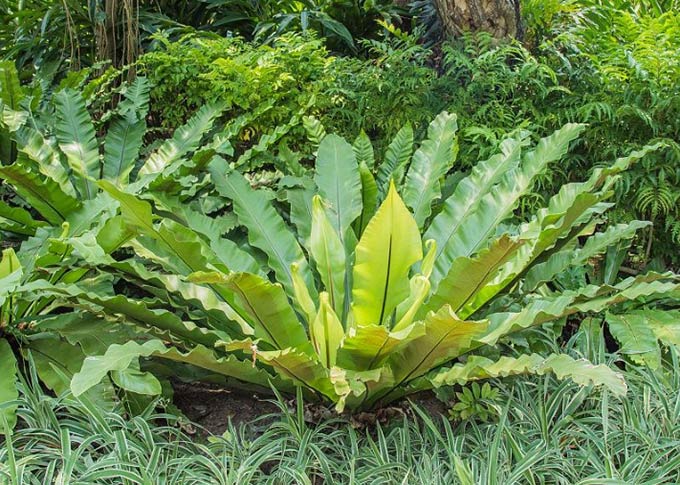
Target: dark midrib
<point>387,280</point>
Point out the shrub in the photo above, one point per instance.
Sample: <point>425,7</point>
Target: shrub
<point>275,85</point>
<point>362,310</point>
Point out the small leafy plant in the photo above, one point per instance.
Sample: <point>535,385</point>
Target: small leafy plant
<point>475,401</point>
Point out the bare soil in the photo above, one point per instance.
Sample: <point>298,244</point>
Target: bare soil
<point>212,407</point>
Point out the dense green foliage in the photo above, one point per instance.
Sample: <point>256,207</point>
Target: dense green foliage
<point>179,201</point>
<point>275,86</point>
<point>50,37</point>
<point>624,86</point>
<point>484,275</point>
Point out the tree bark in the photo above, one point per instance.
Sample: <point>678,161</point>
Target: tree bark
<point>500,18</point>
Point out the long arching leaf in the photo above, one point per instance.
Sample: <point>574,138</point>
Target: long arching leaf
<point>121,148</point>
<point>328,253</point>
<point>120,357</point>
<point>272,317</point>
<point>339,182</point>
<point>464,202</point>
<point>473,232</point>
<point>564,367</point>
<point>126,132</point>
<point>8,387</point>
<point>185,139</point>
<point>77,140</point>
<point>429,164</point>
<point>266,229</point>
<point>17,220</point>
<point>11,95</point>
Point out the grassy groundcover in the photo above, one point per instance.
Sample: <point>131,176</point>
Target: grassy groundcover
<point>544,432</point>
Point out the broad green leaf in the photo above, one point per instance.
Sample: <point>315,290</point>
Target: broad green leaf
<point>580,371</point>
<point>271,315</point>
<point>369,196</point>
<point>302,296</point>
<point>266,229</point>
<point>328,253</point>
<point>175,247</point>
<point>172,245</point>
<point>229,365</point>
<point>553,229</point>
<point>368,346</point>
<point>120,357</point>
<point>88,249</point>
<point>93,214</point>
<point>595,245</point>
<point>478,226</point>
<point>220,314</point>
<point>363,150</point>
<point>388,248</point>
<point>56,361</point>
<point>43,152</point>
<point>17,220</point>
<point>301,368</point>
<point>315,130</point>
<point>636,336</point>
<point>11,92</point>
<point>121,148</point>
<point>396,157</point>
<point>160,323</point>
<point>77,140</point>
<point>136,98</point>
<point>114,233</point>
<point>116,358</point>
<point>11,95</point>
<point>429,164</point>
<point>126,133</point>
<point>444,337</point>
<point>300,199</point>
<point>11,273</point>
<point>139,382</point>
<point>8,386</point>
<point>339,182</point>
<point>589,299</point>
<point>212,230</point>
<point>91,332</point>
<point>665,325</point>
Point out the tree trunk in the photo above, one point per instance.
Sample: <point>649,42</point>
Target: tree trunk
<point>500,18</point>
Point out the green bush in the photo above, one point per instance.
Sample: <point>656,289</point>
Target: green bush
<point>278,84</point>
<point>245,77</point>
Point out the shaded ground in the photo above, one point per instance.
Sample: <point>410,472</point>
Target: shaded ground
<point>212,407</point>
